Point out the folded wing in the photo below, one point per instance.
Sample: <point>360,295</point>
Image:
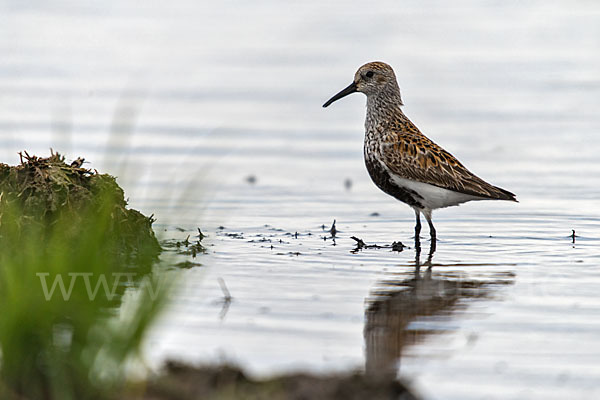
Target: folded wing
<point>414,156</point>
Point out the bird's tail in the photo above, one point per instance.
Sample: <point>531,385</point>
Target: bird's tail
<point>503,194</point>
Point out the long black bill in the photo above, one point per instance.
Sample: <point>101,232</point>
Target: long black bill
<point>349,90</point>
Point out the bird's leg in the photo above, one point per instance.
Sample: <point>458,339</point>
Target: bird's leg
<point>418,225</point>
<point>432,247</point>
<point>418,230</point>
<point>431,227</point>
<point>417,256</point>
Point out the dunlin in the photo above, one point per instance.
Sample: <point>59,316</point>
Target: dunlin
<point>402,161</point>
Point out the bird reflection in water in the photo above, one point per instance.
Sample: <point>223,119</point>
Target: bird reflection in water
<point>419,293</point>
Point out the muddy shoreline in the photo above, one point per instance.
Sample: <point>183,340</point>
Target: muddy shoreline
<point>182,382</point>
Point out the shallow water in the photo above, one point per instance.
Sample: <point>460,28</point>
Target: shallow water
<point>185,103</point>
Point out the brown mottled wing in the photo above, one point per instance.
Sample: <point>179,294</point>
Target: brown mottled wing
<point>413,156</point>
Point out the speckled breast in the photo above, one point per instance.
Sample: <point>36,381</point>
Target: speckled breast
<point>381,177</point>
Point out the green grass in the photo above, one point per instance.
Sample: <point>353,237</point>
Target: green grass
<point>57,221</point>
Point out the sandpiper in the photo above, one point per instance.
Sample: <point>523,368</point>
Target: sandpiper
<point>402,161</point>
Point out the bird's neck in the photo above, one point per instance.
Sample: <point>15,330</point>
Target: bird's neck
<point>383,108</point>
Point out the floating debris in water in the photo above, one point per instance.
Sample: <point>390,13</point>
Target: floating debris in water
<point>398,246</point>
<point>200,235</point>
<point>289,253</point>
<point>266,240</point>
<point>194,249</point>
<point>333,231</point>
<point>251,179</point>
<point>573,235</point>
<point>360,244</point>
<point>185,247</point>
<point>374,214</point>
<point>348,183</point>
<point>187,264</point>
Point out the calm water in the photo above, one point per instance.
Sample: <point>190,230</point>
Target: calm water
<point>185,103</point>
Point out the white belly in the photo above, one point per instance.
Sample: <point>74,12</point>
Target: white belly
<point>433,196</point>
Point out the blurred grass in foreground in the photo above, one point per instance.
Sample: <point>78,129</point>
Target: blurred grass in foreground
<point>69,250</point>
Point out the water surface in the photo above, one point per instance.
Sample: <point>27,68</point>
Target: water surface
<point>185,102</point>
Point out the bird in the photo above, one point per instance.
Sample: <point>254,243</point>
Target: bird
<point>402,161</point>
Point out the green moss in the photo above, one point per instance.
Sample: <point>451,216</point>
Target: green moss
<point>59,222</point>
<point>47,190</point>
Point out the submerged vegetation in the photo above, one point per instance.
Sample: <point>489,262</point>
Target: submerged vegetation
<point>69,250</point>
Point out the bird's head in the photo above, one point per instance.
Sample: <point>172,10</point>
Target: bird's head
<point>370,79</point>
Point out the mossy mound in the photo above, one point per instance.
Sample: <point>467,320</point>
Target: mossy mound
<point>69,250</point>
<point>50,194</point>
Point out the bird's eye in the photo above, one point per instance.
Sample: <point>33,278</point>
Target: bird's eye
<point>369,74</point>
